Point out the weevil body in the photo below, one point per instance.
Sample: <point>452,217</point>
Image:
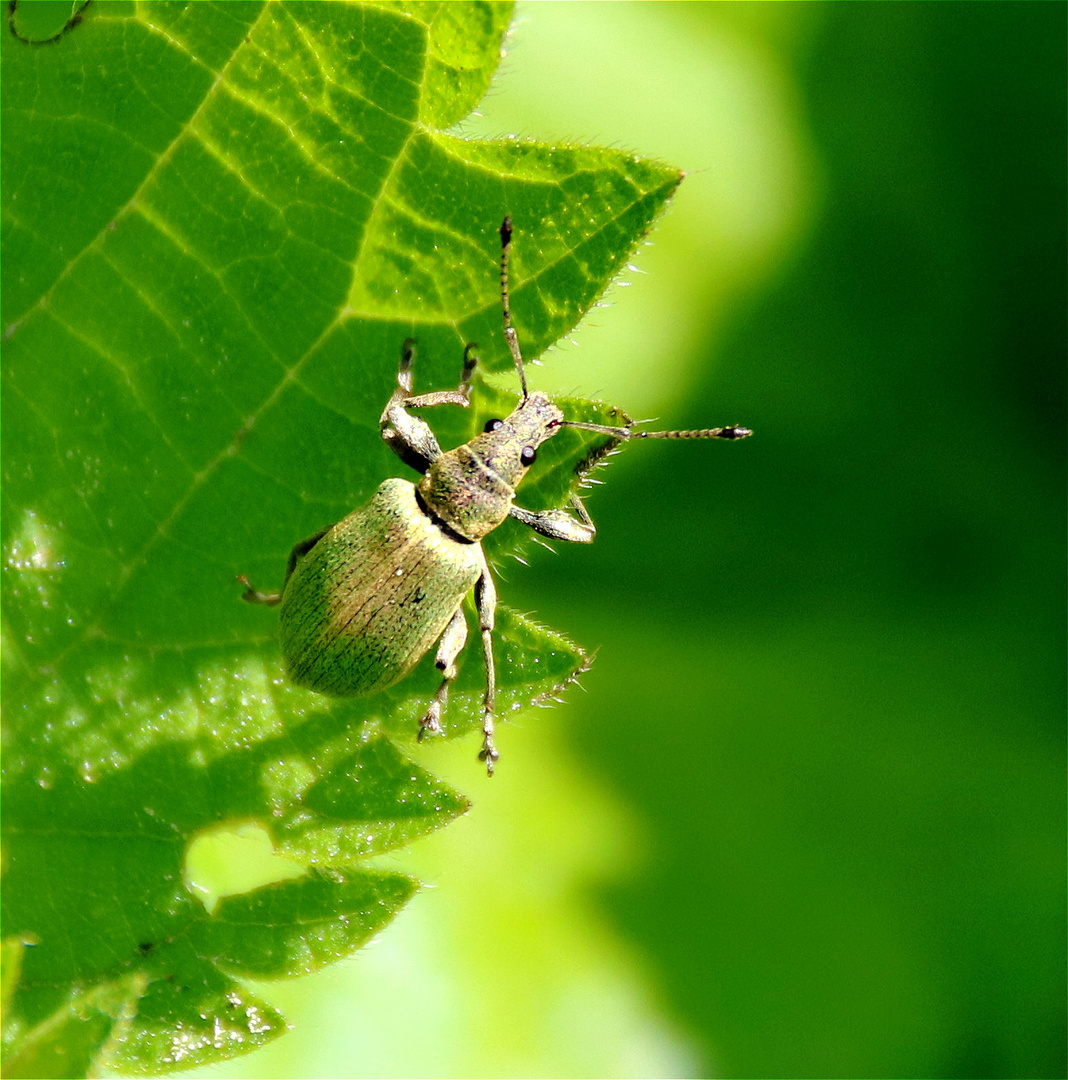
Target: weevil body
<point>365,600</point>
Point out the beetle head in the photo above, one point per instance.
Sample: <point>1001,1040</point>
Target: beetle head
<point>508,447</point>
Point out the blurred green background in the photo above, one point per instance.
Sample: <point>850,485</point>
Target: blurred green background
<point>808,820</point>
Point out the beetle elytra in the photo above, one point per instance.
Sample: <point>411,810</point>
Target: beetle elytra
<point>365,600</point>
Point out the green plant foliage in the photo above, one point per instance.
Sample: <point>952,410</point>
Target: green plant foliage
<point>220,222</point>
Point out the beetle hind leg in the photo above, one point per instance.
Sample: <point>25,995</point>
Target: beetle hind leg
<point>486,601</point>
<point>449,648</point>
<point>489,752</point>
<point>252,595</point>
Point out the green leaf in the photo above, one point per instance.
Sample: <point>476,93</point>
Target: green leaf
<point>362,804</point>
<point>220,222</point>
<point>71,1039</point>
<point>189,1013</point>
<point>294,927</point>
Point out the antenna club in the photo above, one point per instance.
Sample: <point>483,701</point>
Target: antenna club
<point>731,432</point>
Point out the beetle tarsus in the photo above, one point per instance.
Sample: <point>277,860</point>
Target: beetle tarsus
<point>431,721</point>
<point>490,756</point>
<point>489,752</point>
<point>254,596</point>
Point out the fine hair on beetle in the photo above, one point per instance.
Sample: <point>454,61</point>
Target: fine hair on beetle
<point>364,600</point>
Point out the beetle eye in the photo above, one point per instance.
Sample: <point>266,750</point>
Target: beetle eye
<point>527,455</point>
<point>493,425</point>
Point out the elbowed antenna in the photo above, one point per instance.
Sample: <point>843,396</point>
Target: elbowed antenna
<point>731,432</point>
<point>509,330</point>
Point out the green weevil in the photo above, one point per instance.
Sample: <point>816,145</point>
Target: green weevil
<point>364,600</point>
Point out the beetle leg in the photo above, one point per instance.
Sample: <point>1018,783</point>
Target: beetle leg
<point>460,396</point>
<point>252,595</point>
<point>449,648</point>
<point>486,601</point>
<point>410,437</point>
<point>300,550</point>
<point>559,524</point>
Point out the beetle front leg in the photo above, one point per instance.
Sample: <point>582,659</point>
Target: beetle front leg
<point>559,524</point>
<point>460,396</point>
<point>410,437</point>
<point>486,601</point>
<point>450,647</point>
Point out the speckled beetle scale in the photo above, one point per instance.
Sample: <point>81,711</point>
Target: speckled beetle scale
<point>364,601</point>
